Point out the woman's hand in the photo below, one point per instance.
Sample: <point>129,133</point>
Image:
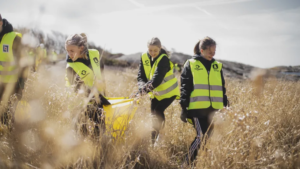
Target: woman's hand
<point>183,115</point>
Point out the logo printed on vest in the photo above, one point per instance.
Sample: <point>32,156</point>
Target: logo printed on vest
<point>83,72</point>
<point>5,48</point>
<point>198,67</point>
<point>96,60</point>
<point>147,63</point>
<point>216,67</point>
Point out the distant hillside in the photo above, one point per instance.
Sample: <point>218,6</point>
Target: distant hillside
<point>286,72</point>
<point>56,41</point>
<point>230,69</point>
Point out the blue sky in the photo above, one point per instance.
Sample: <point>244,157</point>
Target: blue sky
<point>263,33</point>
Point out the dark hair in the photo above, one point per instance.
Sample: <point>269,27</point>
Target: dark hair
<point>204,44</point>
<point>0,17</point>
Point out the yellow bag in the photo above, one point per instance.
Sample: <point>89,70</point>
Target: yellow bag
<point>118,115</point>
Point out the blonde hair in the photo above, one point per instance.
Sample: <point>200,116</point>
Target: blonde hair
<point>156,42</point>
<point>78,40</point>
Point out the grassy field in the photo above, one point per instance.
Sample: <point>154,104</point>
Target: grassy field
<point>261,129</point>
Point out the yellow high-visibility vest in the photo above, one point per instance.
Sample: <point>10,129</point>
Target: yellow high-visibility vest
<point>41,54</point>
<point>90,77</point>
<point>177,67</point>
<point>208,89</point>
<point>54,56</point>
<point>8,71</point>
<point>169,85</point>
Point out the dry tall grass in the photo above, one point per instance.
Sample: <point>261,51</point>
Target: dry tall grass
<point>259,130</point>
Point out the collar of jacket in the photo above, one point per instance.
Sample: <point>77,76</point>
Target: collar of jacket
<point>6,28</point>
<point>84,61</point>
<point>201,58</point>
<point>162,51</point>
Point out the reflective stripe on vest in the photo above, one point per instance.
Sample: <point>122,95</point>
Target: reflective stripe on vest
<point>208,89</point>
<point>206,98</point>
<point>8,72</point>
<point>169,86</point>
<point>168,78</point>
<point>90,77</point>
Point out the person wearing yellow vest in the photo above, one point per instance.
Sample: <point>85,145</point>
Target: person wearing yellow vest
<point>83,72</point>
<point>11,74</point>
<point>53,57</point>
<point>202,91</point>
<point>177,68</point>
<point>41,56</point>
<point>156,77</point>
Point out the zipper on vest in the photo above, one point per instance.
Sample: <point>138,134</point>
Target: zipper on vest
<point>209,89</point>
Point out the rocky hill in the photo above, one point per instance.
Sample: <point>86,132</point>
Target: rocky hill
<point>56,40</point>
<point>230,69</point>
<point>286,72</point>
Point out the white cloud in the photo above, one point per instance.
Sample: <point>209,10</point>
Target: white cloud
<point>203,10</point>
<point>122,27</point>
<point>136,3</point>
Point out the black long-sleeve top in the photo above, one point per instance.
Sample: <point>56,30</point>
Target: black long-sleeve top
<point>187,84</point>
<point>163,67</point>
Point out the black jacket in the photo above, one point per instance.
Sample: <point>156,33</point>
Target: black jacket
<point>163,67</point>
<point>17,49</point>
<point>75,79</point>
<point>187,85</point>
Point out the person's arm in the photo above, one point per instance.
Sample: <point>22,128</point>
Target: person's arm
<point>187,86</point>
<point>17,48</point>
<point>101,60</point>
<point>17,53</point>
<point>142,79</point>
<point>225,100</point>
<point>162,69</point>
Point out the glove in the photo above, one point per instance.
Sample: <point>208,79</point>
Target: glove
<point>183,115</point>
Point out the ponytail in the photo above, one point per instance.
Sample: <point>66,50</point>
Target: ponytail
<point>197,49</point>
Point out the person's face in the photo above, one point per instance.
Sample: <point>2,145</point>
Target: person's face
<point>209,52</point>
<point>153,51</point>
<point>74,51</point>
